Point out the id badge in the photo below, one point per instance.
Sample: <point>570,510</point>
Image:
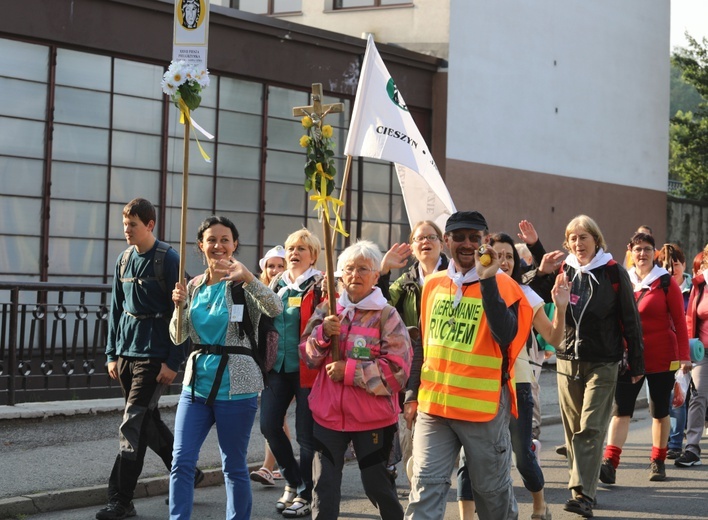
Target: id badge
<point>294,301</point>
<point>360,350</point>
<point>236,313</point>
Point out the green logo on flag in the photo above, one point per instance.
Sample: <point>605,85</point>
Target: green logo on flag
<point>392,91</point>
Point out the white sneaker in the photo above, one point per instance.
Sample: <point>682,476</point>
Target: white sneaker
<point>536,448</point>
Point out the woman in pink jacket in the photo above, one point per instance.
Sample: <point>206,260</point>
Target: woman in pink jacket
<point>660,304</point>
<point>356,397</point>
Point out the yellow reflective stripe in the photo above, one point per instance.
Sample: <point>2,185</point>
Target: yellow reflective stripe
<point>465,403</point>
<point>468,383</point>
<point>464,358</point>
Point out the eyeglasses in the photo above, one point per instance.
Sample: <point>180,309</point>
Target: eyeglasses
<point>361,271</point>
<point>461,237</point>
<point>638,250</point>
<point>429,238</point>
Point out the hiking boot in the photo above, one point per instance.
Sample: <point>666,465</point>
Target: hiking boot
<point>580,505</point>
<point>673,454</point>
<point>608,473</point>
<point>657,470</point>
<point>116,511</point>
<point>687,460</point>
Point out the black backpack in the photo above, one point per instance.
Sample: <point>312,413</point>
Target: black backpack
<point>158,266</point>
<point>264,349</point>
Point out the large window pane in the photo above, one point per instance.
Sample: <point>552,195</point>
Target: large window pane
<point>82,107</point>
<point>236,128</point>
<point>238,161</point>
<point>24,60</point>
<point>283,199</point>
<point>23,98</point>
<point>376,207</point>
<point>236,195</point>
<point>287,6</point>
<point>277,228</point>
<point>200,190</point>
<point>137,79</point>
<point>69,256</point>
<point>285,135</point>
<point>136,150</point>
<point>281,101</point>
<point>76,144</point>
<point>23,138</point>
<point>126,184</point>
<point>204,117</point>
<point>21,176</point>
<point>285,167</point>
<point>175,156</point>
<point>81,69</point>
<point>79,181</point>
<point>377,233</point>
<point>377,176</point>
<point>19,255</point>
<point>253,6</point>
<point>20,216</point>
<point>241,96</point>
<point>137,115</point>
<point>71,218</point>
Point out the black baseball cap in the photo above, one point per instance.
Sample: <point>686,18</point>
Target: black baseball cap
<point>466,220</point>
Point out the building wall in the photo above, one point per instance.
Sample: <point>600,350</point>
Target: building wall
<point>87,128</point>
<point>559,108</point>
<point>422,26</point>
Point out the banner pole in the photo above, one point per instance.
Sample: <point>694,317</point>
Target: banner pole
<point>183,221</point>
<point>342,190</point>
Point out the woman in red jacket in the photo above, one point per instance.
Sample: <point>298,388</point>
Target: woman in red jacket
<point>660,304</point>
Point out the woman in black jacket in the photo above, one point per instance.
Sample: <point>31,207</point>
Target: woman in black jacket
<point>602,323</point>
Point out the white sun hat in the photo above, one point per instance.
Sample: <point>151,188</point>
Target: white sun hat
<point>276,251</point>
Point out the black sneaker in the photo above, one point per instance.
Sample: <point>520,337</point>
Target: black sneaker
<point>673,454</point>
<point>198,477</point>
<point>580,505</point>
<point>562,450</point>
<point>687,460</point>
<point>116,511</point>
<point>608,473</point>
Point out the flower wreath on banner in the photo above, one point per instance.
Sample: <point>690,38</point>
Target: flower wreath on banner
<point>184,84</point>
<point>320,170</point>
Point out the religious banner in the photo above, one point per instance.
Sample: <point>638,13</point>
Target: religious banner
<point>383,128</point>
<point>191,32</point>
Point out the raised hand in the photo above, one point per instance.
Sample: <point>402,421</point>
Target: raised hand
<point>396,257</point>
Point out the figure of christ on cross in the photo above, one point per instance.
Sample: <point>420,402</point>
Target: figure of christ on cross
<point>317,112</point>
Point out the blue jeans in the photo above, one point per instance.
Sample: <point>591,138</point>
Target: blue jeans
<point>275,400</point>
<point>234,420</point>
<point>521,440</point>
<point>678,426</point>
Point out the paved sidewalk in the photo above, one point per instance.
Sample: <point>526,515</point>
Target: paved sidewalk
<point>57,456</point>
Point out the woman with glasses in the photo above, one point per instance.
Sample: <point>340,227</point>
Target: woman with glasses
<point>425,242</point>
<point>354,399</point>
<point>660,306</point>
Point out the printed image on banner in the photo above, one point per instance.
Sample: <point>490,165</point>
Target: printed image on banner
<point>454,328</point>
<point>191,34</point>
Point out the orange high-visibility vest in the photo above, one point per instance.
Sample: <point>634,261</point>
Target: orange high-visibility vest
<point>462,365</point>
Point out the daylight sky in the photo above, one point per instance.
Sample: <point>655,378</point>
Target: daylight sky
<point>691,16</point>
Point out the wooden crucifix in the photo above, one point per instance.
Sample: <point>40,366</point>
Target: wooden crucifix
<point>317,112</point>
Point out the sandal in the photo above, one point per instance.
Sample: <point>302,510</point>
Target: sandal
<point>277,475</point>
<point>287,499</point>
<point>580,505</point>
<point>264,476</point>
<point>545,516</point>
<point>300,507</point>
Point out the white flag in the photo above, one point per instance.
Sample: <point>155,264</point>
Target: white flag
<point>382,128</point>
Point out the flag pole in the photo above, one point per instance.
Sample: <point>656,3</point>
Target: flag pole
<point>342,190</point>
<point>183,223</point>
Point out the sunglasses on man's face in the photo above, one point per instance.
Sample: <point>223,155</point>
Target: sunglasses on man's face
<point>461,237</point>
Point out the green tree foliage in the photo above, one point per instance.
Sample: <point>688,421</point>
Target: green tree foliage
<point>684,96</point>
<point>688,153</point>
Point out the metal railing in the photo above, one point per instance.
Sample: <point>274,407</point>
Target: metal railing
<point>52,342</point>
